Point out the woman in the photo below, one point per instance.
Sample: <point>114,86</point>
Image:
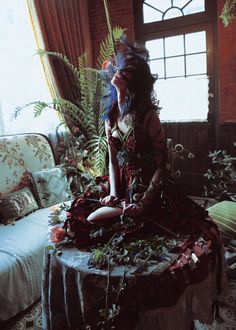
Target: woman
<point>141,187</point>
<point>144,202</point>
<point>133,130</point>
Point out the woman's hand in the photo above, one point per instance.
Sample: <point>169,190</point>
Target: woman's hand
<point>110,200</point>
<point>133,209</point>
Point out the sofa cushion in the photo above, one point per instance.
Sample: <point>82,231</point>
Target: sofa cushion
<point>224,214</point>
<point>17,204</point>
<point>51,186</point>
<point>19,155</point>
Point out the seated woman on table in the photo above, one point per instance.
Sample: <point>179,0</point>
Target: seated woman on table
<point>141,186</point>
<point>136,142</point>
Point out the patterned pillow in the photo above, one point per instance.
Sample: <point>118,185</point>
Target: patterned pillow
<point>51,186</point>
<point>17,204</point>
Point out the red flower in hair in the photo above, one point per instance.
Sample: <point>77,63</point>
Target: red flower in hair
<point>105,64</point>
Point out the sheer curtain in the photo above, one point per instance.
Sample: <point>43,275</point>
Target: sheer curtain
<point>22,80</point>
<point>58,25</point>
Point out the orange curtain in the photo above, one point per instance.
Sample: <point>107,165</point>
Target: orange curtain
<point>62,26</point>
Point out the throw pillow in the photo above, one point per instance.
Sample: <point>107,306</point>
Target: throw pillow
<point>51,186</point>
<point>17,204</point>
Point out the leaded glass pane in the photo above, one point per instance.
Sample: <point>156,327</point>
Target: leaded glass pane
<point>158,10</point>
<point>151,15</point>
<point>172,13</point>
<point>161,5</point>
<point>180,3</point>
<point>175,66</point>
<point>188,101</point>
<point>155,48</point>
<point>195,6</point>
<point>157,67</point>
<point>174,46</point>
<point>196,64</point>
<point>195,42</point>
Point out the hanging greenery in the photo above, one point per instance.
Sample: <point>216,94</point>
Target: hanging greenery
<point>228,12</point>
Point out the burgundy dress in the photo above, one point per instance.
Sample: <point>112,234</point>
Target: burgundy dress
<point>169,212</point>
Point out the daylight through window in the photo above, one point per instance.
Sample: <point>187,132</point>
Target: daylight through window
<point>179,36</point>
<point>22,78</point>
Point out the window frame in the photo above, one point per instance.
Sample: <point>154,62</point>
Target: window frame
<point>206,20</point>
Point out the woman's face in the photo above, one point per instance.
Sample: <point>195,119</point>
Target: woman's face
<point>119,80</point>
<point>122,78</point>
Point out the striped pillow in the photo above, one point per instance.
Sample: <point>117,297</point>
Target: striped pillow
<point>224,214</point>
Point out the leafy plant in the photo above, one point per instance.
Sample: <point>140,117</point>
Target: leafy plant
<point>227,14</point>
<point>220,176</point>
<point>83,117</point>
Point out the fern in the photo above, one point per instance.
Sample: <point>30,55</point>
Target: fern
<point>39,107</point>
<point>98,150</point>
<point>85,113</point>
<point>78,116</point>
<point>41,52</point>
<point>107,46</point>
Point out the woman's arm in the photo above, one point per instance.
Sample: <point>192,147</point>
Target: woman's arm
<point>156,133</point>
<point>157,137</point>
<point>112,199</point>
<point>113,166</point>
<point>111,204</point>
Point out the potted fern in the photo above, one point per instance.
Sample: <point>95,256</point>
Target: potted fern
<point>87,145</point>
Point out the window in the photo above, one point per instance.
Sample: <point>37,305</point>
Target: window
<point>22,78</point>
<point>179,37</point>
<point>159,10</point>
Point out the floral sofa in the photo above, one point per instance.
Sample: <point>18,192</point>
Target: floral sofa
<point>30,183</point>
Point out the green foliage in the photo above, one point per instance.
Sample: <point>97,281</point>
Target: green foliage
<point>62,57</point>
<point>220,176</point>
<point>228,12</point>
<point>58,214</point>
<point>107,46</point>
<point>84,115</point>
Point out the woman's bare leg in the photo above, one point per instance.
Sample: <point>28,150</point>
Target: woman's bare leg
<point>104,213</point>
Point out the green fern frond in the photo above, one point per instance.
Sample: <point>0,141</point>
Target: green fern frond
<point>97,142</point>
<point>107,46</point>
<point>91,89</point>
<point>98,151</point>
<point>100,164</point>
<point>18,110</point>
<point>39,107</point>
<point>41,52</point>
<point>77,116</point>
<point>118,32</point>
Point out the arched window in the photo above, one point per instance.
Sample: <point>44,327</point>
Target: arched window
<point>179,37</point>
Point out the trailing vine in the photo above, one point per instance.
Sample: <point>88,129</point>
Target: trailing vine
<point>228,12</point>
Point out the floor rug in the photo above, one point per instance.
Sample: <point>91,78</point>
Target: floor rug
<point>30,319</point>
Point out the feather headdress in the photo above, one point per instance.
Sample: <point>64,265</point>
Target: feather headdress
<point>126,53</point>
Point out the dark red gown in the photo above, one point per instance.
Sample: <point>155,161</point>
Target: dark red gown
<point>169,211</point>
